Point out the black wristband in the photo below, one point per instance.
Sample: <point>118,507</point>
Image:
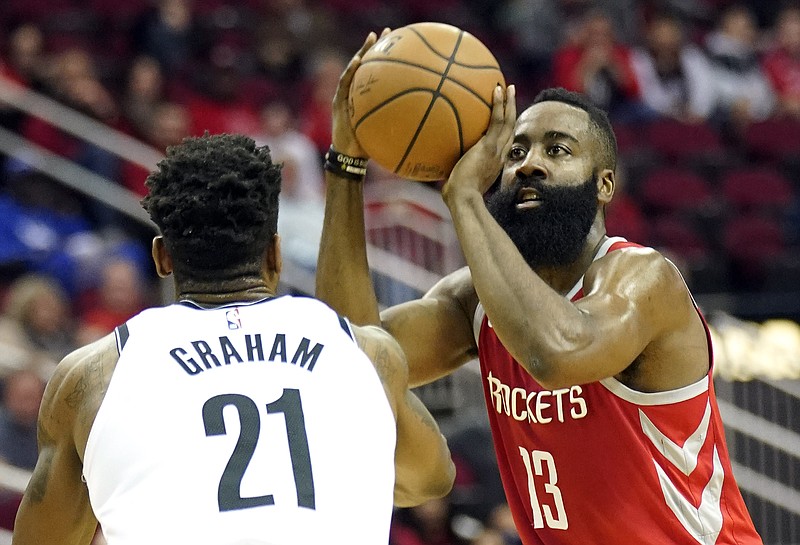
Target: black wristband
<point>352,168</point>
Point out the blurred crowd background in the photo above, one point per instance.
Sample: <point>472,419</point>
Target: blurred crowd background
<point>704,96</point>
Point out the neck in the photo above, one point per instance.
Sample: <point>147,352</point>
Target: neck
<point>225,292</point>
<point>563,279</point>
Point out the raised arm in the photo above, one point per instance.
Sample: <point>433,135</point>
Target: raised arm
<point>424,469</point>
<point>343,280</point>
<point>436,331</point>
<point>55,507</point>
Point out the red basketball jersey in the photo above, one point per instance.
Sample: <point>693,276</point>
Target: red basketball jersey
<point>600,463</point>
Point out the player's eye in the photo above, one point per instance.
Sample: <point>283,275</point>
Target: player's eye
<point>517,153</point>
<point>558,149</point>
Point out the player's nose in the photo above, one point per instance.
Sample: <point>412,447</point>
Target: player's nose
<point>532,167</point>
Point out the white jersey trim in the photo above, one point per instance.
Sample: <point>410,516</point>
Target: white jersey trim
<point>655,398</point>
<point>601,252</point>
<point>477,320</point>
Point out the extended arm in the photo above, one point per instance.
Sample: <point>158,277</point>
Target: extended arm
<point>55,507</point>
<point>424,469</point>
<point>343,280</point>
<point>435,332</point>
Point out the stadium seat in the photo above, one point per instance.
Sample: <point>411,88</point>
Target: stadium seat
<point>681,142</point>
<point>773,139</point>
<point>676,190</point>
<point>677,235</point>
<point>757,188</point>
<point>753,243</point>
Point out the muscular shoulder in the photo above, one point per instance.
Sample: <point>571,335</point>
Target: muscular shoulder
<point>77,388</point>
<point>636,271</point>
<point>642,283</point>
<point>387,356</point>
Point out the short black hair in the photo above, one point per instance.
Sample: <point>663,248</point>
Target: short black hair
<point>215,200</point>
<point>598,119</point>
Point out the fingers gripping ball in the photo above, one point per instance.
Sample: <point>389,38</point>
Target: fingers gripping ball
<point>422,97</point>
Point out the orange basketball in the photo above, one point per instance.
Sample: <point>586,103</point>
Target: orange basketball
<point>422,97</point>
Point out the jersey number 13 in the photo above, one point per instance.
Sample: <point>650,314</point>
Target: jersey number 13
<point>229,494</point>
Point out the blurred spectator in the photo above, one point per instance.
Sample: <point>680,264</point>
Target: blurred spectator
<point>219,103</point>
<point>536,29</point>
<point>166,125</point>
<point>426,524</point>
<point>74,82</point>
<point>22,395</point>
<point>119,296</point>
<point>277,60</point>
<point>286,30</point>
<point>599,66</point>
<point>782,62</point>
<point>302,190</point>
<point>43,229</point>
<point>675,76</point>
<point>169,33</point>
<point>488,536</point>
<point>326,66</point>
<point>24,56</point>
<point>745,94</point>
<point>38,317</point>
<point>143,92</point>
<point>302,168</point>
<point>502,522</point>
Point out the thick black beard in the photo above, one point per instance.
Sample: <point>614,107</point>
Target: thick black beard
<point>552,234</point>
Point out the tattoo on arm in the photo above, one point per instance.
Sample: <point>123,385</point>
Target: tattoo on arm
<point>383,363</point>
<point>37,487</point>
<point>90,387</point>
<point>422,412</point>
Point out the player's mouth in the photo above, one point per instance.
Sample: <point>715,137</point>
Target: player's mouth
<point>528,197</point>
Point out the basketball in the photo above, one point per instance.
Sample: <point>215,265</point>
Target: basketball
<point>421,97</point>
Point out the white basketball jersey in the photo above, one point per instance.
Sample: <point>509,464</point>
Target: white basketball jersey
<point>249,424</point>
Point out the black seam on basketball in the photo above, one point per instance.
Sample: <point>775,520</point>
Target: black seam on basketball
<point>435,52</point>
<point>436,94</point>
<point>428,44</point>
<point>470,90</point>
<point>388,100</point>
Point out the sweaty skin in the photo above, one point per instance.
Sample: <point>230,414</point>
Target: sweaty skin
<point>636,322</point>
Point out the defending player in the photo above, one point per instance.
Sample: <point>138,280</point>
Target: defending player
<point>232,416</point>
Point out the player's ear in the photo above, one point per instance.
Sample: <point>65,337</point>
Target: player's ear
<point>606,181</point>
<point>161,257</point>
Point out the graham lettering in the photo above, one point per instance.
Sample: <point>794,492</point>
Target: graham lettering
<point>202,355</point>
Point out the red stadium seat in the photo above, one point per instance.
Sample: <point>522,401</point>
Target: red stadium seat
<point>753,242</point>
<point>773,139</point>
<point>676,235</point>
<point>671,190</point>
<point>757,188</point>
<point>678,141</point>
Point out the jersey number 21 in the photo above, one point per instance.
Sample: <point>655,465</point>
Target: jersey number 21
<point>229,494</point>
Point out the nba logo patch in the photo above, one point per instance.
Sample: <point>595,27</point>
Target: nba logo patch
<point>234,322</point>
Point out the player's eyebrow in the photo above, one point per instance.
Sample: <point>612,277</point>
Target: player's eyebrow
<point>558,135</point>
